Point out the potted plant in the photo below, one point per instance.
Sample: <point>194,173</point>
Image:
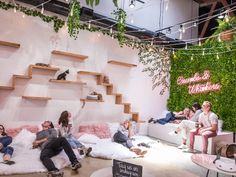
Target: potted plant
<point>226,28</point>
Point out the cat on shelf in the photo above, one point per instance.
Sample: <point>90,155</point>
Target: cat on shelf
<point>62,76</point>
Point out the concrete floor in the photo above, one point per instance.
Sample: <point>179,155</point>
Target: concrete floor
<point>164,161</point>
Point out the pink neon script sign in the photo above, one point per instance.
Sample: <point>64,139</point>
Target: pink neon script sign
<point>196,78</point>
<point>201,88</point>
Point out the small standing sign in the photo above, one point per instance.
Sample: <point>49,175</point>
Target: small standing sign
<point>124,169</point>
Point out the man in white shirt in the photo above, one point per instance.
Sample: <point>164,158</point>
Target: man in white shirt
<point>208,124</point>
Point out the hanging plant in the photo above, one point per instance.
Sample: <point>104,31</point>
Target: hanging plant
<point>157,64</point>
<point>120,16</point>
<point>91,2</point>
<point>74,19</point>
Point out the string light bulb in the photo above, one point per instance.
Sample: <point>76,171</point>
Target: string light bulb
<point>14,9</point>
<point>203,52</point>
<point>111,30</point>
<point>89,25</point>
<point>191,58</point>
<point>219,39</point>
<point>199,42</point>
<point>217,56</point>
<point>186,46</point>
<point>180,35</point>
<point>23,15</point>
<point>226,19</point>
<point>195,24</point>
<point>42,10</point>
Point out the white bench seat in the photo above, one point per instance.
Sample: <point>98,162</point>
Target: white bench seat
<point>162,132</point>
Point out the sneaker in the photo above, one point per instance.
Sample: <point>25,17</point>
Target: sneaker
<point>183,146</point>
<point>55,173</point>
<point>8,162</point>
<point>88,151</point>
<point>173,133</point>
<point>150,120</point>
<point>76,165</point>
<point>188,150</point>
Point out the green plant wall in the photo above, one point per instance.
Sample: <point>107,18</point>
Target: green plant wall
<point>222,70</point>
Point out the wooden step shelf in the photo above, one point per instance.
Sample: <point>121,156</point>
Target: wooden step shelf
<point>98,76</point>
<point>9,44</point>
<point>109,88</point>
<point>69,54</point>
<point>135,116</point>
<point>31,67</point>
<point>6,88</point>
<point>118,98</point>
<point>115,62</point>
<point>36,98</point>
<point>88,100</point>
<point>15,76</point>
<point>127,107</point>
<point>67,82</point>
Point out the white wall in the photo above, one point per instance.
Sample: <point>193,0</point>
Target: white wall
<point>148,15</point>
<point>37,40</point>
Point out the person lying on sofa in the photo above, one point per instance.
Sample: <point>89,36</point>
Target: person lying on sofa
<point>208,124</point>
<point>173,116</point>
<point>51,146</point>
<point>7,150</point>
<point>65,130</point>
<point>185,126</point>
<point>123,136</point>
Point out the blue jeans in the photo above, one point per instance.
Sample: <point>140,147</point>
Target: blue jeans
<point>169,117</point>
<point>74,143</point>
<point>5,141</point>
<point>120,138</point>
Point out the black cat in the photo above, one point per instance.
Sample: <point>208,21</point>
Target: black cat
<point>62,76</point>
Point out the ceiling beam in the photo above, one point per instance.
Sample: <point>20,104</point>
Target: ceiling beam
<point>226,5</point>
<point>206,24</point>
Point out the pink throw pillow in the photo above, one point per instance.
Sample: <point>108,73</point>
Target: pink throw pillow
<point>101,130</point>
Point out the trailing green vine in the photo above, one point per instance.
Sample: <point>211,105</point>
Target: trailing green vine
<point>156,62</point>
<point>74,19</point>
<point>91,2</point>
<point>57,23</point>
<point>120,16</point>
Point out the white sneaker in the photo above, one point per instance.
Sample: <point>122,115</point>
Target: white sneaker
<point>188,150</point>
<point>182,146</point>
<point>172,133</point>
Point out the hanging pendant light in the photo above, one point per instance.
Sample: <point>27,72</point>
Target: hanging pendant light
<point>132,4</point>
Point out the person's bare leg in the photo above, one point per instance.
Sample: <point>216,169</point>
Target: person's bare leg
<point>6,157</point>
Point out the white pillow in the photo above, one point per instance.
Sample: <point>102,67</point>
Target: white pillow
<point>113,127</point>
<point>89,139</point>
<point>24,139</point>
